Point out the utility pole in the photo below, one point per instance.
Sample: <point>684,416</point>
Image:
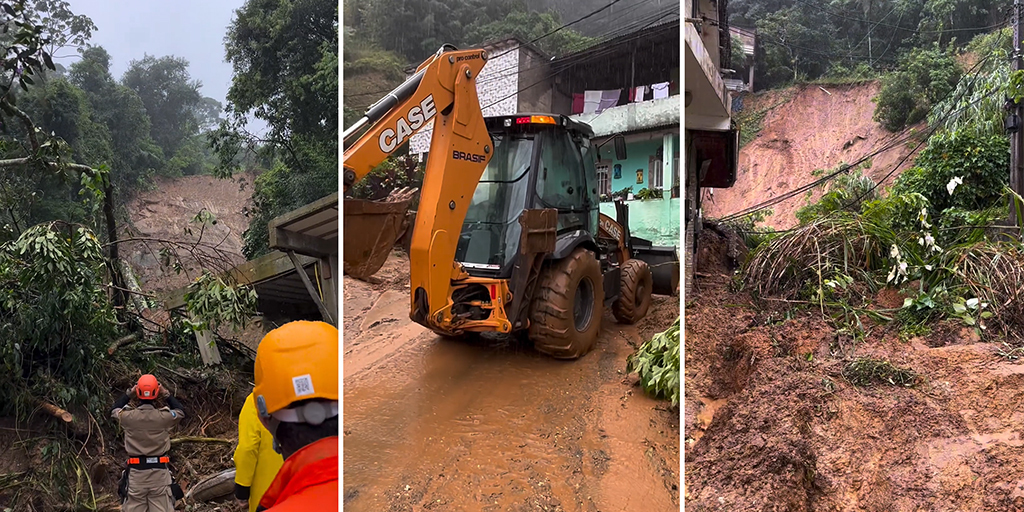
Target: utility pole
<point>1017,114</point>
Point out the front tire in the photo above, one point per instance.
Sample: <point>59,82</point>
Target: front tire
<point>565,314</point>
<point>635,285</point>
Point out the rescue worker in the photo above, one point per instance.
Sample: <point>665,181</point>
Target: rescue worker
<point>256,461</point>
<point>147,482</point>
<point>296,398</point>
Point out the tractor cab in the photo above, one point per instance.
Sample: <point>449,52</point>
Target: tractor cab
<point>541,161</point>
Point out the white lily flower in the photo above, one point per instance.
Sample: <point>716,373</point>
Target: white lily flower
<point>972,303</point>
<point>951,186</point>
<point>928,268</point>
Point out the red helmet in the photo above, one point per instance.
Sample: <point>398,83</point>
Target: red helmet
<point>147,388</point>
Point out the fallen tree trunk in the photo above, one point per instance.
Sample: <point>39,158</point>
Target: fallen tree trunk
<point>118,343</point>
<point>57,412</point>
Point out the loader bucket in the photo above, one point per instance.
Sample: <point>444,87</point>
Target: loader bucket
<point>663,262</point>
<point>371,230</point>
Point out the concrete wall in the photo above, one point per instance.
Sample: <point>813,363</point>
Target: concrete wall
<point>634,117</point>
<point>709,30</point>
<point>656,220</point>
<point>536,82</point>
<point>498,82</point>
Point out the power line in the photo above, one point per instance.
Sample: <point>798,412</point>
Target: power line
<point>914,31</point>
<point>893,143</point>
<point>612,34</point>
<point>586,16</point>
<point>551,75</point>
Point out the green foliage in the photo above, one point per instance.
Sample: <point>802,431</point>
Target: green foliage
<point>214,303</point>
<point>394,173</point>
<point>285,58</point>
<point>750,227</point>
<point>846,192</point>
<point>528,26</point>
<point>657,363</point>
<point>648,193</point>
<point>977,105</point>
<point>979,161</point>
<point>622,193</point>
<point>282,52</point>
<point>924,76</point>
<point>306,173</point>
<point>55,316</point>
<point>839,74</point>
<point>808,40</point>
<point>415,29</point>
<point>171,98</point>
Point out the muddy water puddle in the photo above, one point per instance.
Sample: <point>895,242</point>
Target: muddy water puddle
<point>488,425</point>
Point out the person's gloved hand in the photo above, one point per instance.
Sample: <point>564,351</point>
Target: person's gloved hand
<point>131,392</point>
<point>164,392</point>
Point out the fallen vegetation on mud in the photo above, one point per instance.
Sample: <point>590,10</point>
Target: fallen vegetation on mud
<point>867,358</point>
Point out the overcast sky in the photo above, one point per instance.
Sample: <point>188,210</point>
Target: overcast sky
<point>192,29</point>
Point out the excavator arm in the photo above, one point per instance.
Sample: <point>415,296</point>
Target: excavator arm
<point>442,90</point>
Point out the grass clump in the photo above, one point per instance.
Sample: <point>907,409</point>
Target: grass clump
<point>865,371</point>
<point>657,363</point>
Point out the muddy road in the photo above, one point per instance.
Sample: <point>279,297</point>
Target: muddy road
<point>773,424</point>
<point>435,424</point>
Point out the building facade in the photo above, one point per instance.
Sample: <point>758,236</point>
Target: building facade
<point>511,63</point>
<point>710,136</point>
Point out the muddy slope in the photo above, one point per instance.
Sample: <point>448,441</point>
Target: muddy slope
<point>772,424</point>
<point>434,424</point>
<point>165,212</point>
<point>805,128</point>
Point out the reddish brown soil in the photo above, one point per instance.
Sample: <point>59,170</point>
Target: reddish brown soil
<point>492,425</point>
<point>772,424</point>
<point>814,130</point>
<point>165,213</point>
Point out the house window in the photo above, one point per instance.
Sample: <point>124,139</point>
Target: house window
<point>654,173</point>
<point>604,182</point>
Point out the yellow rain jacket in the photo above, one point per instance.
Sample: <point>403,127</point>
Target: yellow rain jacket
<point>256,462</point>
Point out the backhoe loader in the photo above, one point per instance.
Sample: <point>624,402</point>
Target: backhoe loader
<point>508,237</point>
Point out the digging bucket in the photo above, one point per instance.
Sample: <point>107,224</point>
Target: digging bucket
<point>371,230</point>
<point>663,262</point>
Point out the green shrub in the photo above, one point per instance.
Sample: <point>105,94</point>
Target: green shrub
<point>657,363</point>
<point>394,173</point>
<point>56,319</point>
<point>981,162</point>
<point>925,76</point>
<point>846,192</point>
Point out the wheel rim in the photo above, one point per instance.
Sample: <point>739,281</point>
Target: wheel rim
<point>583,304</point>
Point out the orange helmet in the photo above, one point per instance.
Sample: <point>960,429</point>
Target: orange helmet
<point>295,362</point>
<point>147,388</point>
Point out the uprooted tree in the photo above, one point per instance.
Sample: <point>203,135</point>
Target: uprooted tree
<point>64,296</point>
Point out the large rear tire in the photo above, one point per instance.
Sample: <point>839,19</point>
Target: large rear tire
<point>635,285</point>
<point>565,314</point>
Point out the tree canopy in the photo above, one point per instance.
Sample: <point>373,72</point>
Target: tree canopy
<point>285,58</point>
<point>805,40</point>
